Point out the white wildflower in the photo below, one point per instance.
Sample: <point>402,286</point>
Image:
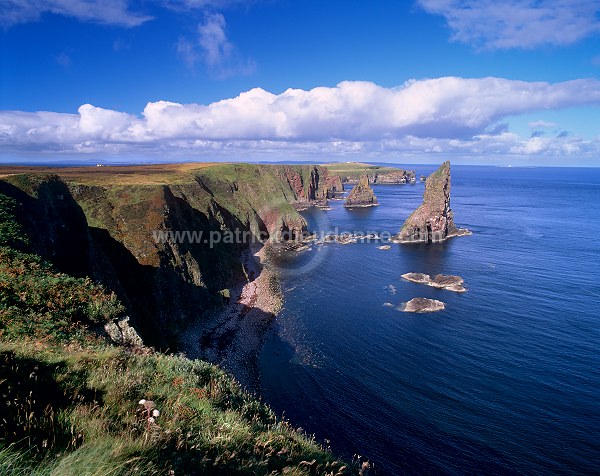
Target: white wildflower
<point>155,413</point>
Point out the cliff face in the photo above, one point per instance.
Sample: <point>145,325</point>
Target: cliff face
<point>167,249</point>
<point>433,221</point>
<point>311,183</point>
<point>361,195</point>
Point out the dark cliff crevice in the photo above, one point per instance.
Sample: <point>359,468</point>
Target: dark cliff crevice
<point>54,223</point>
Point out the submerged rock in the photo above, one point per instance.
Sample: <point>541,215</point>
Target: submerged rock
<point>433,221</point>
<point>420,304</point>
<point>391,288</point>
<point>441,281</point>
<point>362,194</point>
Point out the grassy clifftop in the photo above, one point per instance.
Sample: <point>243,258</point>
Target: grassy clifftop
<point>70,399</point>
<point>356,169</point>
<point>351,171</point>
<point>102,222</point>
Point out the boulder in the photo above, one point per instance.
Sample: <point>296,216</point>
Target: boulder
<point>120,332</point>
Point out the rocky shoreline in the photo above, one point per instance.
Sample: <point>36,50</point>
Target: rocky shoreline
<point>232,337</point>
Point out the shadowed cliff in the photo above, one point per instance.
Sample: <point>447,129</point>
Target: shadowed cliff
<point>117,226</point>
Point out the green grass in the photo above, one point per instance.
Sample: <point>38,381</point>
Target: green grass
<point>244,189</point>
<point>76,410</point>
<point>355,169</point>
<point>36,301</point>
<point>69,398</point>
<point>11,230</point>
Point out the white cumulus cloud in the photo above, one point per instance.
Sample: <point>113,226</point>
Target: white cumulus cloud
<point>443,115</point>
<point>492,24</point>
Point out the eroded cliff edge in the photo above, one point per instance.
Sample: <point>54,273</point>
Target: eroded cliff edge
<point>119,226</point>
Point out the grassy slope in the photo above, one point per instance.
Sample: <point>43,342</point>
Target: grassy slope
<point>70,399</point>
<point>157,174</point>
<point>125,206</point>
<point>355,169</point>
<point>258,185</point>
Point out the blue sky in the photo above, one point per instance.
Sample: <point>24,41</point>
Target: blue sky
<point>407,81</point>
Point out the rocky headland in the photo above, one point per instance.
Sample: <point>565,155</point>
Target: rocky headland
<point>440,281</point>
<point>87,259</point>
<point>391,178</point>
<point>433,220</point>
<point>170,240</point>
<point>361,195</point>
<point>350,172</point>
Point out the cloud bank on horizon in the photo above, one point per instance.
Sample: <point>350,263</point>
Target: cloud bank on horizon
<point>448,114</point>
<point>443,115</point>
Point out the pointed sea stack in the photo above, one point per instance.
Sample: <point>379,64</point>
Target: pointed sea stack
<point>361,195</point>
<point>433,221</point>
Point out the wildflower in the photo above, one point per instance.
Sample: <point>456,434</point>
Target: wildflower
<point>155,413</point>
<point>150,420</point>
<point>142,401</point>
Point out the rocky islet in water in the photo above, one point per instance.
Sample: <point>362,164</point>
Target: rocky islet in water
<point>433,220</point>
<point>361,195</point>
<point>440,281</point>
<point>422,305</point>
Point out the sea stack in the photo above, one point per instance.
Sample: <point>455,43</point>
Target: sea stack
<point>433,221</point>
<point>362,194</point>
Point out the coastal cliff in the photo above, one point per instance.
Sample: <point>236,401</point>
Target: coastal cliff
<point>433,220</point>
<point>163,238</point>
<point>361,195</point>
<point>82,394</point>
<point>350,173</point>
<point>311,184</point>
<point>402,176</point>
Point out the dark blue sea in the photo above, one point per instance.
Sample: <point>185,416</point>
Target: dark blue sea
<point>505,380</point>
